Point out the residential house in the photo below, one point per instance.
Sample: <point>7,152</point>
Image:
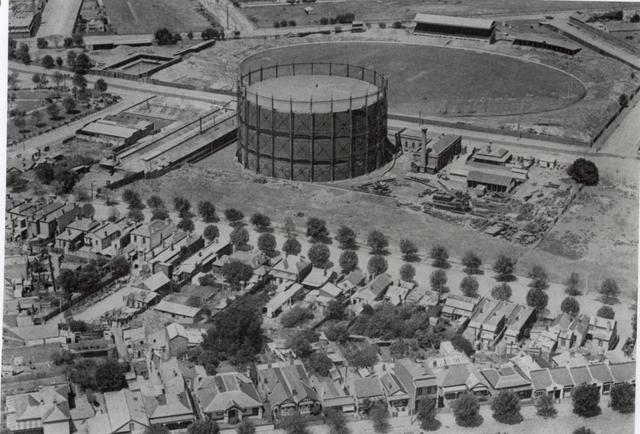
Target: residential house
<point>459,379</point>
<point>151,235</point>
<point>137,298</point>
<point>520,320</point>
<point>156,282</point>
<point>602,376</point>
<point>286,295</point>
<point>100,238</point>
<point>418,380</point>
<point>169,258</point>
<point>124,412</point>
<point>179,312</point>
<point>569,358</point>
<point>623,372</point>
<point>397,294</point>
<point>396,395</point>
<point>373,291</point>
<point>494,326</point>
<point>171,341</point>
<point>287,388</point>
<point>555,382</point>
<point>507,378</point>
<point>458,306</point>
<point>227,398</point>
<point>352,281</point>
<point>572,332</point>
<point>202,259</point>
<point>485,308</point>
<point>318,277</point>
<point>290,268</point>
<point>603,333</point>
<point>44,410</point>
<point>367,391</point>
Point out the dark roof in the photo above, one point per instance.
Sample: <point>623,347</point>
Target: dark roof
<point>581,375</point>
<point>561,376</point>
<point>623,372</point>
<point>540,378</point>
<point>545,39</point>
<point>445,20</point>
<point>601,373</point>
<point>444,144</point>
<point>489,178</point>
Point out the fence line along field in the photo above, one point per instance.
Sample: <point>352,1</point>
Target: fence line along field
<point>147,16</point>
<point>444,81</point>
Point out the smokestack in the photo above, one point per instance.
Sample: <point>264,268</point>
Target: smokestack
<point>423,160</point>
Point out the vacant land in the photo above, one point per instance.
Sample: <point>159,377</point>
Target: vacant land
<point>443,81</point>
<point>58,17</point>
<point>405,10</point>
<point>147,16</point>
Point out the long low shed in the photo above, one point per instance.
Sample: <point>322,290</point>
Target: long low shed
<point>455,26</point>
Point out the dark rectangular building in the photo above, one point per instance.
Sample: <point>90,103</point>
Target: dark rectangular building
<point>476,28</point>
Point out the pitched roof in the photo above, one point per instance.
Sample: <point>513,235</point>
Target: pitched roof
<point>391,385</point>
<point>317,277</point>
<point>623,372</point>
<point>504,378</point>
<point>446,20</point>
<point>177,309</point>
<point>224,391</point>
<point>541,378</point>
<point>367,387</point>
<point>456,375</point>
<point>601,373</point>
<point>581,375</point>
<point>123,407</point>
<point>485,177</point>
<point>156,281</point>
<point>287,381</point>
<point>561,376</point>
<point>444,143</point>
<point>175,330</point>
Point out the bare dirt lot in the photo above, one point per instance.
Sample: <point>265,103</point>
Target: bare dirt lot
<point>147,16</point>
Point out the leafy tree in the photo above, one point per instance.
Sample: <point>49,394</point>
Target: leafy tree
<point>20,122</point>
<point>377,265</point>
<point>295,316</point>
<point>289,227</point>
<point>36,78</point>
<point>261,221</point>
<point>336,422</point>
<point>623,398</point>
<point>159,214</point>
<point>291,246</point>
<point>109,376</point>
<point>211,232</point>
<point>378,242</point>
<point>506,408</point>
<point>438,281</point>
<point>295,424</point>
<point>469,286</point>
<point>335,311</point>
<point>65,181</point>
<point>53,110</point>
<point>537,299</point>
<point>426,414</point>
<point>348,261</point>
<point>68,42</point>
<point>182,206</point>
<point>467,411</point>
<point>47,61</point>
<point>164,36</point>
<point>365,357</point>
<point>155,201</point>
<point>211,33</point>
<point>583,430</point>
<point>267,243</point>
<point>239,237</point>
<point>203,426</point>
<point>319,255</point>
<point>59,61</point>
<point>337,333</point>
<point>346,237</point>
<point>236,333</point>
<point>584,172</point>
<point>572,283</point>
<point>63,357</point>
<point>119,266</point>
<point>71,60</point>
<point>609,290</point>
<point>12,46</point>
<point>235,272</point>
<point>101,86</point>
<point>68,280</point>
<point>233,215</point>
<point>504,267</point>
<point>407,272</point>
<point>79,82</point>
<point>545,407</point>
<point>300,342</point>
<point>245,427</point>
<point>317,230</point>
<point>440,257</point>
<point>69,104</point>
<point>36,117</point>
<point>320,363</point>
<point>58,77</point>
<point>462,344</point>
<point>471,263</point>
<point>623,100</point>
<point>586,399</point>
<point>136,215</point>
<point>78,41</point>
<point>380,416</point>
<point>132,199</point>
<point>22,54</point>
<point>208,359</point>
<point>606,312</point>
<point>82,64</point>
<point>409,250</point>
<point>503,292</point>
<point>570,306</point>
<point>186,225</point>
<point>16,182</point>
<point>538,276</point>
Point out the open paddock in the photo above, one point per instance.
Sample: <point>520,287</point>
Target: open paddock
<point>147,16</point>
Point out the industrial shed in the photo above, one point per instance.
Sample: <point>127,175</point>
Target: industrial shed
<point>545,43</point>
<point>476,28</point>
<point>493,181</point>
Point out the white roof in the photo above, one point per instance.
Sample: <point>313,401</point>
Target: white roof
<point>447,20</point>
<point>156,281</point>
<point>109,129</point>
<point>282,297</point>
<point>177,309</point>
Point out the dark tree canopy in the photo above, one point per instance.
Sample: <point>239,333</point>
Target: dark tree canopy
<point>609,290</point>
<point>570,306</point>
<point>208,212</point>
<point>377,241</point>
<point>119,266</point>
<point>502,292</point>
<point>469,286</point>
<point>467,411</point>
<point>408,249</point>
<point>536,298</point>
<point>346,237</point>
<point>246,427</point>
<point>295,424</point>
<point>136,215</point>
<point>337,422</point>
<point>440,257</point>
<point>586,400</point>
<point>365,357</point>
<point>235,272</point>
<point>623,398</point>
<point>471,262</point>
<point>186,224</point>
<point>155,201</point>
<point>380,416</point>
<point>239,237</point>
<point>132,199</point>
<point>164,36</point>
<point>211,232</point>
<point>267,243</point>
<point>545,406</point>
<point>583,430</point>
<point>203,426</point>
<point>291,246</point>
<point>606,312</point>
<point>584,172</point>
<point>317,230</point>
<point>377,265</point>
<point>320,363</point>
<point>506,408</point>
<point>109,376</point>
<point>335,311</point>
<point>538,276</point>
<point>337,332</point>
<point>407,272</point>
<point>348,261</point>
<point>504,267</point>
<point>233,215</point>
<point>183,206</point>
<point>426,414</point>
<point>159,214</point>
<point>462,344</point>
<point>438,281</point>
<point>295,316</point>
<point>572,283</point>
<point>319,255</point>
<point>260,221</point>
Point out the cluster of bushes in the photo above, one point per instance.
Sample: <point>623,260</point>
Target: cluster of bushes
<point>284,23</point>
<point>164,36</point>
<point>345,18</point>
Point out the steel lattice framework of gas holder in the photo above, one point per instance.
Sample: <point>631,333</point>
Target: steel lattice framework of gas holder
<point>312,121</point>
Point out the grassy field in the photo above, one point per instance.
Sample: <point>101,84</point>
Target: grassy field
<point>405,10</point>
<point>147,16</point>
<point>443,81</point>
